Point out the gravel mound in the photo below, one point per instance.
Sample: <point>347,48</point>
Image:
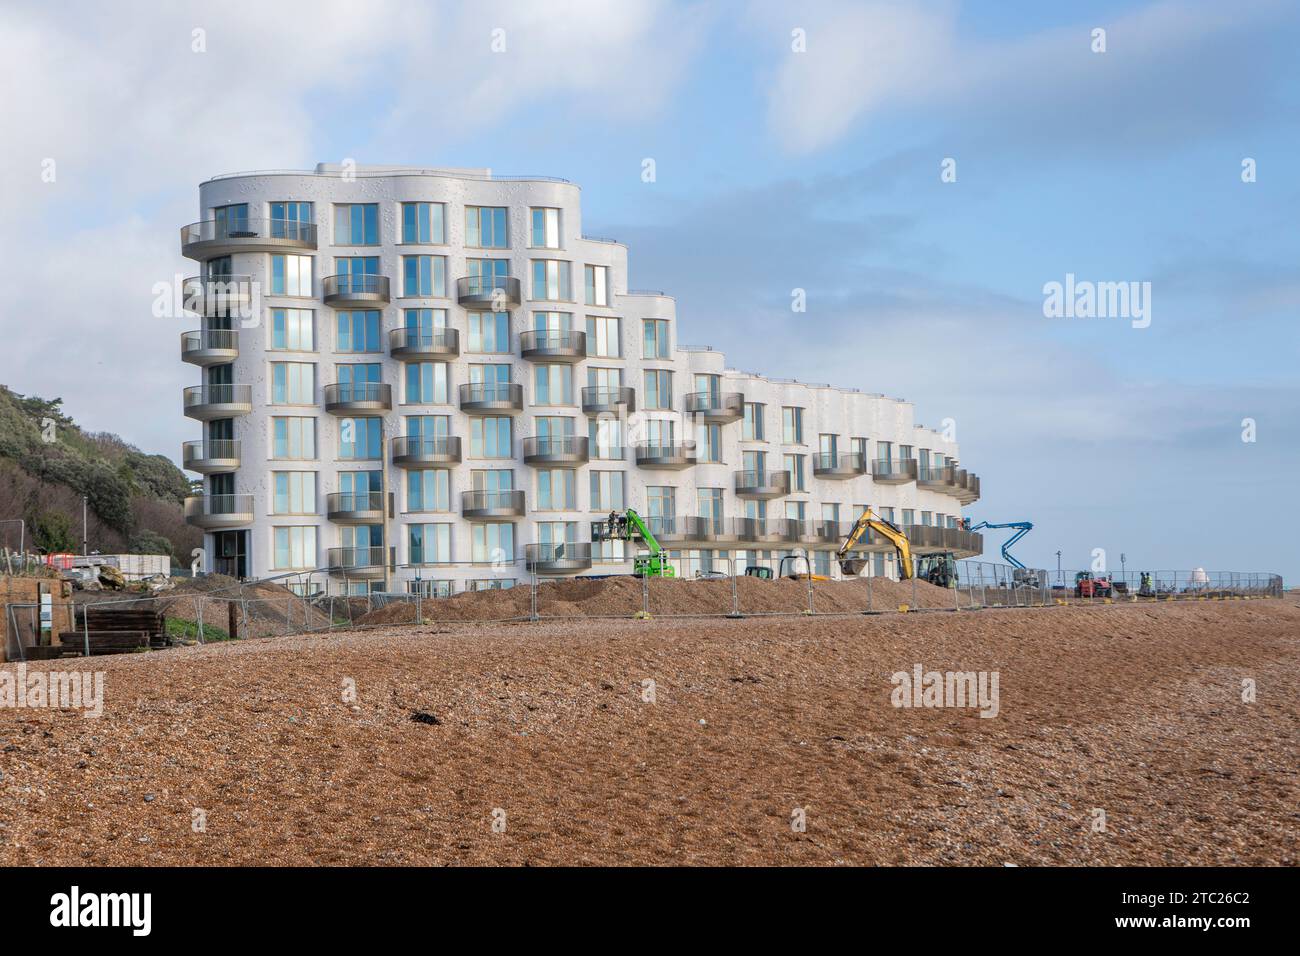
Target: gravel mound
<point>1133,709</point>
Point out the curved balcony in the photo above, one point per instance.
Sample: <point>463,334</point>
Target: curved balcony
<point>414,451</point>
<point>619,400</point>
<point>934,478</point>
<point>210,346</point>
<point>769,530</point>
<point>203,240</point>
<point>231,295</point>
<point>674,529</point>
<point>414,345</point>
<point>488,398</point>
<point>716,407</point>
<point>839,467</point>
<point>888,472</point>
<point>344,398</point>
<point>762,484</point>
<point>552,345</point>
<point>567,557</point>
<point>555,450</point>
<point>489,293</point>
<point>363,289</point>
<point>492,504</point>
<point>716,529</point>
<point>927,539</point>
<point>970,491</point>
<point>957,486</point>
<point>821,532</point>
<point>366,507</point>
<point>211,512</point>
<point>672,457</point>
<point>206,402</point>
<point>212,457</point>
<point>366,563</point>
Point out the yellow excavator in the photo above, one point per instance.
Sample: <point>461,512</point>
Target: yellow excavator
<point>870,521</point>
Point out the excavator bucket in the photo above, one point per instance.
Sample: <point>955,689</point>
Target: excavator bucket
<point>852,566</point>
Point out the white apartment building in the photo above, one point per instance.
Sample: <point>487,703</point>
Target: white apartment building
<point>431,375</point>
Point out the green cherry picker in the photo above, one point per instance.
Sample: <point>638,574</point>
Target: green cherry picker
<point>629,526</point>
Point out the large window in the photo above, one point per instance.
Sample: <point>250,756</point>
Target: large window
<point>293,438</point>
<point>555,489</point>
<point>752,428</point>
<point>489,436</point>
<point>708,443</point>
<point>292,330</point>
<point>658,388</point>
<point>605,438</point>
<point>545,228</point>
<point>655,337</point>
<point>426,383</point>
<point>359,438</point>
<point>607,491</point>
<point>553,384</point>
<point>428,489</point>
<point>295,492</point>
<point>291,275</point>
<point>357,331</point>
<point>792,425</point>
<point>424,276</point>
<point>295,548</point>
<point>551,280</point>
<point>485,227</point>
<point>604,336</point>
<point>356,224</point>
<point>293,383</point>
<point>289,218</point>
<point>492,542</point>
<point>597,285</point>
<point>422,222</point>
<point>430,543</point>
<point>795,465</point>
<point>489,332</point>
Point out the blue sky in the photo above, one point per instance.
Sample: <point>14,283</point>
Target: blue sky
<point>775,170</point>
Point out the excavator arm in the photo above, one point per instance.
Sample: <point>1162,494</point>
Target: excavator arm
<point>870,521</point>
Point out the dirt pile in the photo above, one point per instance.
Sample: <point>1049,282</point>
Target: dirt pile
<point>1136,710</point>
<point>626,596</point>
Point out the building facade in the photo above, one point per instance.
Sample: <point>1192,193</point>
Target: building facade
<point>431,378</point>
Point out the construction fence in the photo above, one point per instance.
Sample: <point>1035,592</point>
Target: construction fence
<point>244,610</point>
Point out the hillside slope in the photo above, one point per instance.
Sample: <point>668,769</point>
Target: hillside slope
<point>47,463</point>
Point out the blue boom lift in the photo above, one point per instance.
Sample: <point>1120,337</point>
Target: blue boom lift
<point>1022,575</point>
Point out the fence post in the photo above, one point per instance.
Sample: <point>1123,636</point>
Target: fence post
<point>645,595</point>
<point>532,599</point>
<point>810,582</point>
<point>735,591</point>
<point>419,606</point>
<point>871,573</point>
<point>288,616</point>
<point>85,628</point>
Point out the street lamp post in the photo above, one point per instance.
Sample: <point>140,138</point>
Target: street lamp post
<point>1059,579</point>
<point>85,536</point>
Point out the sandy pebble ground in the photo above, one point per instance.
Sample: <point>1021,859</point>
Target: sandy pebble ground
<point>760,741</point>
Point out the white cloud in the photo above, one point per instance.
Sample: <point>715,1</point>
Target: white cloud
<point>865,61</point>
<point>135,119</point>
